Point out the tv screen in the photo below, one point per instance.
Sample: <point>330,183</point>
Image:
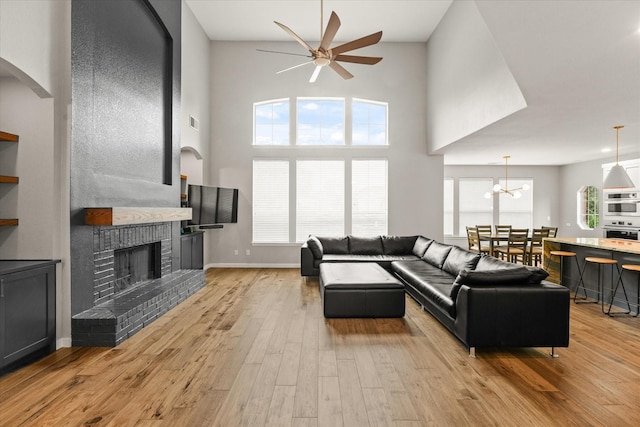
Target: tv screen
<point>212,205</point>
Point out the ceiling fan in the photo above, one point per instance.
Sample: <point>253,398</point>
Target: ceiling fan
<point>325,55</point>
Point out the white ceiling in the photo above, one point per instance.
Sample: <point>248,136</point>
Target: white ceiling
<point>576,62</point>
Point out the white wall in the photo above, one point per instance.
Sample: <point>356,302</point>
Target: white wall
<point>241,76</point>
<point>35,46</point>
<point>469,85</point>
<point>195,99</point>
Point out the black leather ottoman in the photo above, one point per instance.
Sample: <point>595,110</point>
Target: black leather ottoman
<point>360,289</point>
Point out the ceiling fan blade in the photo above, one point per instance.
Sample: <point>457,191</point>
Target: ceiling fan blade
<point>340,70</point>
<point>357,44</point>
<point>295,66</point>
<point>284,53</point>
<point>330,32</point>
<point>314,76</point>
<point>369,60</point>
<point>295,36</point>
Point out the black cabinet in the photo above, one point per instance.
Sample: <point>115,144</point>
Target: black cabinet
<point>27,312</point>
<point>191,251</point>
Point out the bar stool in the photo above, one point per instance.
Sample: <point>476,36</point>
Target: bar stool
<point>599,262</point>
<point>562,255</point>
<point>628,267</point>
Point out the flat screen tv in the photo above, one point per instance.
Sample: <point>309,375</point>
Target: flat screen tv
<point>212,205</point>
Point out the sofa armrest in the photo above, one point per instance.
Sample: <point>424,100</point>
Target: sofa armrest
<point>306,261</point>
<point>513,316</point>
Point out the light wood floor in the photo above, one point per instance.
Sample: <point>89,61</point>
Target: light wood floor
<point>252,348</point>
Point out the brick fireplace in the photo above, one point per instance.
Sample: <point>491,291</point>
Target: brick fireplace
<point>133,282</point>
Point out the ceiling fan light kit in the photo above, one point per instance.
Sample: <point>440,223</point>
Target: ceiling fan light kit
<point>618,176</point>
<point>325,56</point>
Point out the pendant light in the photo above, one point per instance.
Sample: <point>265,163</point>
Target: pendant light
<point>497,189</point>
<point>618,177</point>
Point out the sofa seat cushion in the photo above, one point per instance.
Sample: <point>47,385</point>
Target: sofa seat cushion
<point>428,280</point>
<point>380,259</point>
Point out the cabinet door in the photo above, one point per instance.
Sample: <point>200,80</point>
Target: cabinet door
<point>197,258</point>
<point>185,252</point>
<point>27,313</point>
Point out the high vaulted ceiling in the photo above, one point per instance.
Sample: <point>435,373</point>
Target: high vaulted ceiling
<point>577,63</point>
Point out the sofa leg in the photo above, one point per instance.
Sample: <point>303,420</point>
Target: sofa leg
<point>554,353</point>
<point>472,352</point>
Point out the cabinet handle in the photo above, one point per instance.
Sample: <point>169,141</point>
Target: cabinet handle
<point>1,288</point>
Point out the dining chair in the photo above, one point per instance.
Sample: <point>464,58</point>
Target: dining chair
<point>475,244</point>
<point>483,230</point>
<point>534,249</point>
<point>552,231</point>
<point>503,229</point>
<point>516,248</point>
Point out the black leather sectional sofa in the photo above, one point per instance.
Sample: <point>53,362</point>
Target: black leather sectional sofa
<point>483,301</point>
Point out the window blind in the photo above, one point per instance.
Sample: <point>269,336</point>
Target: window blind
<point>369,197</point>
<point>270,201</point>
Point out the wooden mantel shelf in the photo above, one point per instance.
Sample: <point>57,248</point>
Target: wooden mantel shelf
<point>128,216</point>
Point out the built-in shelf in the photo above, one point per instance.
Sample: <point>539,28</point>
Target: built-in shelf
<point>9,137</point>
<point>8,179</point>
<point>129,215</point>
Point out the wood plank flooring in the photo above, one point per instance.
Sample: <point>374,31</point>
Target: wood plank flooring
<point>253,348</point>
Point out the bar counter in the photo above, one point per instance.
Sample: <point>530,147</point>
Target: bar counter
<point>623,251</point>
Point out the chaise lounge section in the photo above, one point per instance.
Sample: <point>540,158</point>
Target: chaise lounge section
<point>483,301</point>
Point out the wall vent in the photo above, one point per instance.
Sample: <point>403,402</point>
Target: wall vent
<point>194,123</point>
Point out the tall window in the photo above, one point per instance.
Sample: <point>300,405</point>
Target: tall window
<point>474,208</point>
<point>271,122</point>
<point>270,201</point>
<point>319,198</point>
<point>369,122</point>
<point>517,212</point>
<point>320,121</point>
<point>588,207</point>
<point>448,207</point>
<point>369,197</point>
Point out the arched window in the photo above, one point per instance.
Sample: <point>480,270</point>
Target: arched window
<point>588,207</point>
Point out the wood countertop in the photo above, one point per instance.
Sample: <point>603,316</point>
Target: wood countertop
<point>619,245</point>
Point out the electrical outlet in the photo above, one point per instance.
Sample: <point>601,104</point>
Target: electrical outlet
<point>247,252</point>
<point>235,252</point>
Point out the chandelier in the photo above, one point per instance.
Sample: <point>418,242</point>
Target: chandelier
<point>497,189</point>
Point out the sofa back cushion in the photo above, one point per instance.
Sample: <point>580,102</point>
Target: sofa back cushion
<point>492,263</point>
<point>421,245</point>
<point>436,254</point>
<point>537,274</point>
<point>335,245</point>
<point>398,245</point>
<point>365,245</point>
<point>313,243</point>
<point>460,259</point>
<point>513,276</point>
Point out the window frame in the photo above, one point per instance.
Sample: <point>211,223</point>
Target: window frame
<point>322,98</point>
<point>583,202</point>
<point>286,101</point>
<point>386,121</point>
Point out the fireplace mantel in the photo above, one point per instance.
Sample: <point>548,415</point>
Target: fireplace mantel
<point>128,216</point>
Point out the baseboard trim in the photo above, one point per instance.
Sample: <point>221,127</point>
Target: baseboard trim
<point>63,342</point>
<point>248,265</point>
